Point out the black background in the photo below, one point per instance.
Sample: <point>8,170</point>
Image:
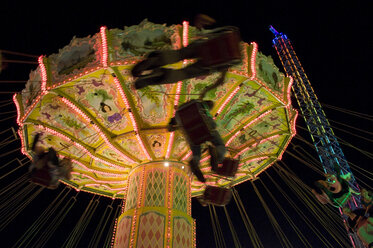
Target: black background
<point>333,40</point>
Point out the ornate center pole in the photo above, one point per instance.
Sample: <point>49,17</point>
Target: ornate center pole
<point>157,211</point>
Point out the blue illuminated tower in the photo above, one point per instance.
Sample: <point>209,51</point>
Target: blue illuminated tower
<point>325,142</point>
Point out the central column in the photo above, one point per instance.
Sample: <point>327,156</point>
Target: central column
<point>157,211</point>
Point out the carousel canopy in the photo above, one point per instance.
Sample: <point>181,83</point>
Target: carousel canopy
<point>83,102</point>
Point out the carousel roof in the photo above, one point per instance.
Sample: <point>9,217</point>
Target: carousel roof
<point>83,103</point>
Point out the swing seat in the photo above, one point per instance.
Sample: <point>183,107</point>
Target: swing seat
<point>193,120</point>
<point>229,167</point>
<point>42,177</point>
<point>221,51</point>
<point>217,196</point>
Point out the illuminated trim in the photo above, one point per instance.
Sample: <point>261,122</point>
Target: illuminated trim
<point>18,110</point>
<point>253,60</point>
<point>104,59</point>
<point>43,72</point>
<point>185,33</point>
<point>170,173</point>
<point>288,91</point>
<point>170,143</point>
<point>133,121</point>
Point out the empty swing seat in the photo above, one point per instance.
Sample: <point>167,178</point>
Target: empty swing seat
<point>229,167</point>
<point>192,118</point>
<point>217,196</point>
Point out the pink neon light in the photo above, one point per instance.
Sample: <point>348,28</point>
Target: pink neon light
<point>43,74</point>
<point>169,205</point>
<point>228,99</point>
<point>133,121</point>
<point>288,91</point>
<point>23,147</point>
<point>187,156</point>
<point>142,146</point>
<point>37,99</point>
<point>171,141</point>
<point>205,159</point>
<point>104,59</point>
<point>177,96</point>
<point>293,127</point>
<point>253,60</point>
<point>18,110</point>
<point>185,33</point>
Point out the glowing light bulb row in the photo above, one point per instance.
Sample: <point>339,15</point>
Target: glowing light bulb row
<point>133,120</point>
<point>247,125</point>
<point>104,47</point>
<point>143,146</point>
<point>185,33</point>
<point>189,189</point>
<point>228,99</point>
<point>114,233</point>
<point>23,147</point>
<point>27,112</point>
<point>288,91</point>
<point>187,156</point>
<point>126,62</point>
<point>67,139</point>
<point>170,143</point>
<point>43,72</point>
<point>194,233</point>
<point>18,109</point>
<point>169,206</point>
<point>294,122</point>
<point>253,60</point>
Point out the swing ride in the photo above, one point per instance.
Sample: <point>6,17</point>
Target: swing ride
<point>83,102</point>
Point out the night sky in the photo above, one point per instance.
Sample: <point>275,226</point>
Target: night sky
<point>332,39</point>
